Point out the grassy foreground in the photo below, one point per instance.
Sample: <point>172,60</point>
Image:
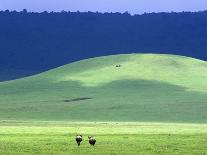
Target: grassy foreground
<point>150,88</point>
<point>47,138</point>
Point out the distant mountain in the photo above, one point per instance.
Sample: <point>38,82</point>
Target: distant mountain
<point>31,43</point>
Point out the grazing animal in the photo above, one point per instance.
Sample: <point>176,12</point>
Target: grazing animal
<point>79,139</point>
<point>91,140</point>
<point>118,65</point>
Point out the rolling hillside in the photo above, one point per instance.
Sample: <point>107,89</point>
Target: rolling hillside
<point>131,87</point>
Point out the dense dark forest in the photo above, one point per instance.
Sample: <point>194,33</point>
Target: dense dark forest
<point>34,42</point>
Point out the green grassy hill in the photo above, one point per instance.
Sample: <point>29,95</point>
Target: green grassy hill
<point>145,88</point>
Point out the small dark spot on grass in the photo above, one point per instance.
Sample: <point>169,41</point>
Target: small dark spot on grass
<point>77,99</point>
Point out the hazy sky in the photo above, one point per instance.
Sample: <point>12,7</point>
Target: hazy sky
<point>132,6</point>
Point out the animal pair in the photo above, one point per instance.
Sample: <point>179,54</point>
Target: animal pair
<point>91,140</point>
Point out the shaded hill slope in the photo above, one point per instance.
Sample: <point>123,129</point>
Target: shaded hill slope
<point>134,87</point>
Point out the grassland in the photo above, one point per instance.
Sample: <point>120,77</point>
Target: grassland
<point>146,88</point>
<point>47,138</point>
<point>42,114</point>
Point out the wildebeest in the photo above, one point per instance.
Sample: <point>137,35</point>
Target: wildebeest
<point>79,139</point>
<point>118,65</point>
<point>91,140</point>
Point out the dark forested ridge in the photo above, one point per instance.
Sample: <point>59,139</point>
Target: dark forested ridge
<point>34,42</point>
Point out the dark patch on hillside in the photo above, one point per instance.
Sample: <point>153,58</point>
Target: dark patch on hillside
<point>123,100</point>
<point>77,99</point>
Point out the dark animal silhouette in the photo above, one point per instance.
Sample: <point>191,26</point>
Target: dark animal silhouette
<point>91,140</point>
<point>79,139</point>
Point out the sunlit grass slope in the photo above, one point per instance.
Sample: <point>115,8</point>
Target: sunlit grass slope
<point>134,87</point>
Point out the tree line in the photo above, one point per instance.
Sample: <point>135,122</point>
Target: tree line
<point>35,42</point>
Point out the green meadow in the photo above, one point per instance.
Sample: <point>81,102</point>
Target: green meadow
<point>108,97</point>
<point>24,138</point>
